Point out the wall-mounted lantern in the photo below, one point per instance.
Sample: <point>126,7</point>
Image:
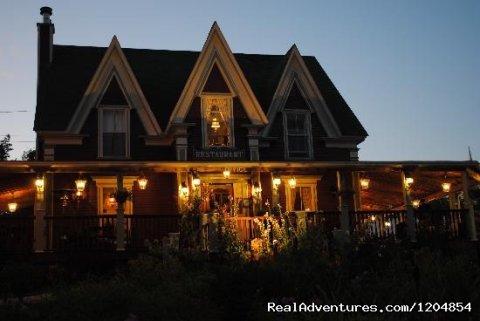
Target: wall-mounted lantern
<point>292,182</point>
<point>196,180</point>
<point>184,190</point>
<point>257,189</point>
<point>408,181</point>
<point>276,182</point>
<point>226,173</point>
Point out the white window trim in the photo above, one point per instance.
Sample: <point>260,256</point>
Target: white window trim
<point>301,182</point>
<point>126,110</point>
<point>308,127</point>
<point>204,118</point>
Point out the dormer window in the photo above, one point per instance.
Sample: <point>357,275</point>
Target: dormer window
<point>114,124</point>
<point>297,134</point>
<point>217,121</point>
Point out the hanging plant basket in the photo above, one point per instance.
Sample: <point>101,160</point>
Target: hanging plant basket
<point>121,196</point>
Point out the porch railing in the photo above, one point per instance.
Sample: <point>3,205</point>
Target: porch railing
<point>143,230</point>
<point>379,224</point>
<point>98,232</point>
<point>451,223</point>
<point>86,232</point>
<point>16,233</point>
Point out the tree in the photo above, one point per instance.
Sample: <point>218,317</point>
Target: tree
<point>29,155</point>
<point>5,148</point>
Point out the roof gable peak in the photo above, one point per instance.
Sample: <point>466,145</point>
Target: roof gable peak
<point>296,73</point>
<point>114,64</point>
<point>217,51</point>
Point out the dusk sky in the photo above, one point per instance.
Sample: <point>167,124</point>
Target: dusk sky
<point>410,70</point>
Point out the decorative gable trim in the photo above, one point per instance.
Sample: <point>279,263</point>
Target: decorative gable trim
<point>114,64</point>
<point>296,72</point>
<point>217,51</point>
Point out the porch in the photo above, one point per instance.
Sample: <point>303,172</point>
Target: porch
<point>62,207</point>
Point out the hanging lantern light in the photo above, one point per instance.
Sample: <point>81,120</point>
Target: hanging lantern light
<point>292,182</point>
<point>215,123</point>
<point>364,183</point>
<point>226,173</point>
<point>446,187</point>
<point>257,189</point>
<point>40,184</point>
<point>12,207</point>
<point>408,181</point>
<point>142,182</point>
<point>196,180</point>
<point>80,183</point>
<point>277,181</point>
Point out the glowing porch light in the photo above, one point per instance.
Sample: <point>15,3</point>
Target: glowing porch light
<point>416,203</point>
<point>373,218</point>
<point>364,183</point>
<point>257,189</point>
<point>196,180</point>
<point>184,189</point>
<point>292,182</point>
<point>446,187</point>
<point>40,184</point>
<point>80,183</point>
<point>226,173</point>
<point>388,224</point>
<point>142,182</point>
<point>277,181</point>
<point>12,207</point>
<point>408,181</point>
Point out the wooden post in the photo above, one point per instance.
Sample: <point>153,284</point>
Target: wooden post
<point>411,226</point>
<point>357,190</point>
<point>120,218</point>
<point>39,225</point>
<point>343,201</point>
<point>470,218</point>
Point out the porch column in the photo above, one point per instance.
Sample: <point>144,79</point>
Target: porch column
<point>470,218</point>
<point>357,191</point>
<point>411,226</point>
<point>120,226</point>
<point>343,201</point>
<point>257,196</point>
<point>452,201</point>
<point>39,224</point>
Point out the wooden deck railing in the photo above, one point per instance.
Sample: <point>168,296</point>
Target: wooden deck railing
<point>379,224</point>
<point>144,229</point>
<point>81,232</point>
<point>98,232</point>
<point>16,233</point>
<point>451,223</point>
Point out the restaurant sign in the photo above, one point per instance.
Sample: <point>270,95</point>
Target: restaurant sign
<point>218,154</point>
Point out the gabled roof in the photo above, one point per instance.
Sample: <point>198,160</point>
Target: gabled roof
<point>162,75</point>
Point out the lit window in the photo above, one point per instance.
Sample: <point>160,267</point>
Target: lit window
<point>304,196</point>
<point>217,121</point>
<point>297,134</point>
<point>114,132</point>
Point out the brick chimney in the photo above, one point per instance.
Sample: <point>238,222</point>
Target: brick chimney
<point>46,29</point>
